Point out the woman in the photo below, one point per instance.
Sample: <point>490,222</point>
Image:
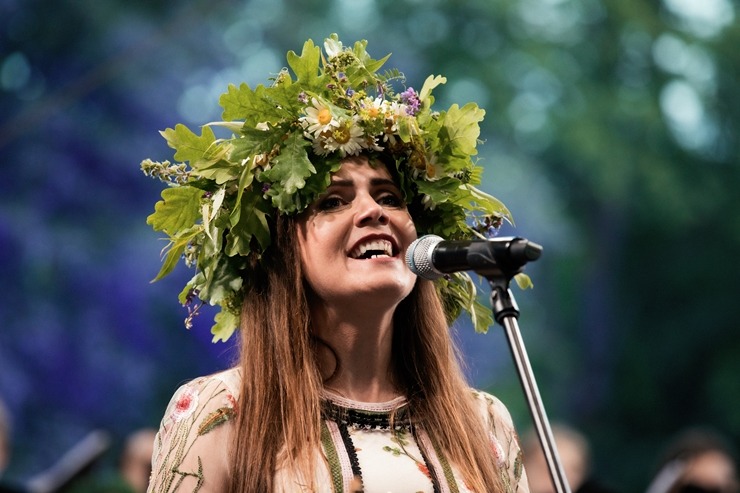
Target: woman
<point>348,379</point>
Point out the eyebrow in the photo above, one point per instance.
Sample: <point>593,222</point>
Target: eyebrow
<point>373,181</point>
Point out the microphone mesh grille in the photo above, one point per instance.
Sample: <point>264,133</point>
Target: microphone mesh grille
<point>419,257</point>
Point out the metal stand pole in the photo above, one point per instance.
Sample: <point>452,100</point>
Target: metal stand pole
<point>506,313</point>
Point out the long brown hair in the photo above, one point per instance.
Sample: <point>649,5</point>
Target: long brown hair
<point>278,411</point>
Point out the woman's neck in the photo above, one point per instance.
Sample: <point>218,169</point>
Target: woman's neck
<point>357,360</point>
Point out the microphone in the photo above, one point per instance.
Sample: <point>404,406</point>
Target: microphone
<point>431,257</point>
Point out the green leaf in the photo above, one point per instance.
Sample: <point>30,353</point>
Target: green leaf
<point>183,296</point>
<point>306,66</point>
<point>189,146</point>
<point>245,180</point>
<point>523,281</point>
<point>488,203</point>
<point>226,324</point>
<point>462,129</point>
<point>481,316</point>
<point>476,199</point>
<point>242,103</point>
<point>179,209</point>
<point>218,280</point>
<point>234,127</point>
<point>429,84</point>
<point>439,191</point>
<point>220,171</point>
<point>289,171</point>
<point>253,141</point>
<point>252,222</point>
<point>462,288</point>
<point>171,258</point>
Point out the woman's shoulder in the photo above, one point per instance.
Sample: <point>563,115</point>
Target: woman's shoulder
<point>191,449</point>
<point>491,405</point>
<point>503,436</point>
<point>228,381</point>
<point>209,400</point>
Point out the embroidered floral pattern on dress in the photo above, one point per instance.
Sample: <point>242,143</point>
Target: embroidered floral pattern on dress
<point>180,461</point>
<point>186,404</point>
<point>400,437</point>
<point>498,450</point>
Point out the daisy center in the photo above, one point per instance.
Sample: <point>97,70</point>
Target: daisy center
<point>323,116</point>
<point>341,135</point>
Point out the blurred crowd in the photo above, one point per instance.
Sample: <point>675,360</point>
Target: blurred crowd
<point>697,460</point>
<point>81,470</point>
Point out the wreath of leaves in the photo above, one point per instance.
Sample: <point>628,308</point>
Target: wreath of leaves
<point>222,192</point>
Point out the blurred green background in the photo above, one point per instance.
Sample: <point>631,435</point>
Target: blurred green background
<point>612,133</point>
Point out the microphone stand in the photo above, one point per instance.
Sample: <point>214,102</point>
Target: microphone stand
<point>499,273</point>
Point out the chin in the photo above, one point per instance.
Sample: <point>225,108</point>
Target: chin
<point>391,292</point>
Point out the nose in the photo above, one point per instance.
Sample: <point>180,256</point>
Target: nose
<point>369,211</point>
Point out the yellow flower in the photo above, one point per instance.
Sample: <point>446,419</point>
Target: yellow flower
<point>318,118</point>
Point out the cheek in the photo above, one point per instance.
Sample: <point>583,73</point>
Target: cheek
<point>316,243</point>
<point>408,228</point>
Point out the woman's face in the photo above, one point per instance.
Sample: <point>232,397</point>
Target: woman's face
<point>353,238</point>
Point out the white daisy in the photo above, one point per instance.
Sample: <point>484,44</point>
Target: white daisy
<point>318,118</point>
<point>323,144</point>
<point>349,137</point>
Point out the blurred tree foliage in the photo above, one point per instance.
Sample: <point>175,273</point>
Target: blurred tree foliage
<point>626,109</point>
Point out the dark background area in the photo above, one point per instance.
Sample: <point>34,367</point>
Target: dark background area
<point>611,133</point>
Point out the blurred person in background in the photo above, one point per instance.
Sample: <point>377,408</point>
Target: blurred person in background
<point>697,460</point>
<point>136,459</point>
<point>574,451</point>
<point>348,378</point>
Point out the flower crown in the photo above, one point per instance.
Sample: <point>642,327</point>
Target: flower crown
<point>286,140</point>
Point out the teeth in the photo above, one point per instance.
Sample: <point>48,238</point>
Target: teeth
<point>384,246</point>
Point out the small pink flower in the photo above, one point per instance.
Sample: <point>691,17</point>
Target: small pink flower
<point>498,451</point>
<point>185,405</point>
<point>232,401</point>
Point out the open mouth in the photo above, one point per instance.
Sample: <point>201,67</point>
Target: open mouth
<point>373,249</point>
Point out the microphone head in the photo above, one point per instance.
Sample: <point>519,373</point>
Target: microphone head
<point>419,257</point>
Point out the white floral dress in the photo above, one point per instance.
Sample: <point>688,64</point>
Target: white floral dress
<point>358,442</point>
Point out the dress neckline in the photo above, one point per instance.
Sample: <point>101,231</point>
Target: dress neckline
<point>366,415</point>
<point>341,401</point>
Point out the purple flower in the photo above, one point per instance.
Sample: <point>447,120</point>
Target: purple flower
<point>350,92</point>
<point>302,97</point>
<point>265,187</point>
<point>411,99</point>
<point>492,231</point>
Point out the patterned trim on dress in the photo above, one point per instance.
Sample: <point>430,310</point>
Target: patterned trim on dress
<point>425,457</point>
<point>352,453</point>
<point>338,417</point>
<point>375,417</point>
<point>437,462</point>
<point>332,457</point>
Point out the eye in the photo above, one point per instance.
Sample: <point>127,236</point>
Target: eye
<point>390,199</point>
<point>330,203</point>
